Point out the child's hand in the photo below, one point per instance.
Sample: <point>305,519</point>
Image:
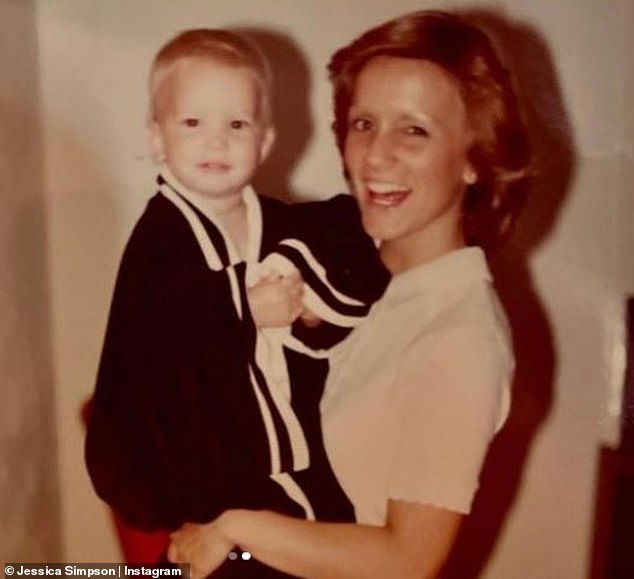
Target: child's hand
<point>276,301</point>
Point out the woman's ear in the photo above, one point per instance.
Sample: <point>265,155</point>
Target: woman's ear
<point>155,137</point>
<point>469,175</point>
<point>268,138</point>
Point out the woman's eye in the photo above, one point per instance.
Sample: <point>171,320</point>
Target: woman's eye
<point>191,122</point>
<point>360,124</point>
<point>417,131</point>
<point>238,124</point>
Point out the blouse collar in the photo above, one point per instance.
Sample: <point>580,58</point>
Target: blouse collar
<point>454,268</point>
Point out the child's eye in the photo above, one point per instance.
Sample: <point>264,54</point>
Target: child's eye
<point>416,131</point>
<point>360,124</point>
<point>238,124</point>
<point>191,122</point>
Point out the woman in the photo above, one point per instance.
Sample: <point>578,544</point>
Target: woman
<point>435,153</point>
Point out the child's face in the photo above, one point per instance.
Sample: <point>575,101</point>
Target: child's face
<point>209,128</point>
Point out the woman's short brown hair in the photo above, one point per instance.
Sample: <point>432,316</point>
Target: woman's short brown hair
<point>500,153</point>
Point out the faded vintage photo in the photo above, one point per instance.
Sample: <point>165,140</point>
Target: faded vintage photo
<point>317,289</point>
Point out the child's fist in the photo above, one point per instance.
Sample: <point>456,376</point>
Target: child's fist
<point>276,301</point>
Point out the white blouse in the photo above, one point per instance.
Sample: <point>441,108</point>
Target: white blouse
<point>417,392</point>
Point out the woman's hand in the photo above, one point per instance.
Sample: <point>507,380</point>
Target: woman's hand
<point>204,547</point>
<point>414,543</point>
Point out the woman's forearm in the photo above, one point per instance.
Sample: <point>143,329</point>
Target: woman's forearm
<point>413,547</point>
<point>310,549</point>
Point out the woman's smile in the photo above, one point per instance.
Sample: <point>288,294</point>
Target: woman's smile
<point>386,194</point>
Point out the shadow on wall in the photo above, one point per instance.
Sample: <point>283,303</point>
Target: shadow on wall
<point>527,55</point>
<point>291,111</point>
<point>29,496</point>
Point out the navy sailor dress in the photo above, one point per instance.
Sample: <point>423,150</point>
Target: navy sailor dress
<point>187,420</point>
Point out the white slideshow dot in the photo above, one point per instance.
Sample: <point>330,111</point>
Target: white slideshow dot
<point>233,555</point>
<point>246,556</point>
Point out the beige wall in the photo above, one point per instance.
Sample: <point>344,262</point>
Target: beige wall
<point>563,279</point>
<point>29,505</point>
<point>625,148</point>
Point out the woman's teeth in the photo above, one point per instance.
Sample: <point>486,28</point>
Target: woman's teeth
<point>388,194</point>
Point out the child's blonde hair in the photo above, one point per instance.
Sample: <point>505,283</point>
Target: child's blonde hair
<point>217,45</point>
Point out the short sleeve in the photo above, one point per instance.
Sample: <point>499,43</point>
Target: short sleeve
<point>453,398</point>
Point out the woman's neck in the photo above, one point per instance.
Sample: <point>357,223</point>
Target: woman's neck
<point>399,255</point>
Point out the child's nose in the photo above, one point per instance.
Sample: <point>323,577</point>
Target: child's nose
<point>216,139</point>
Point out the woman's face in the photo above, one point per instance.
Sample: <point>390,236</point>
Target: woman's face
<point>406,154</point>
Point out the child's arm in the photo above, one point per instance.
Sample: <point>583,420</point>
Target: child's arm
<point>342,271</point>
<point>124,458</point>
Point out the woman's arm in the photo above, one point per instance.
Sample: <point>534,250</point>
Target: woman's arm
<point>414,543</point>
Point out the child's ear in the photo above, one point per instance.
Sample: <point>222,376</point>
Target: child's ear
<point>268,138</point>
<point>156,140</point>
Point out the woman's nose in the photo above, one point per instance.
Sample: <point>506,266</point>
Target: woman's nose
<point>380,150</point>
